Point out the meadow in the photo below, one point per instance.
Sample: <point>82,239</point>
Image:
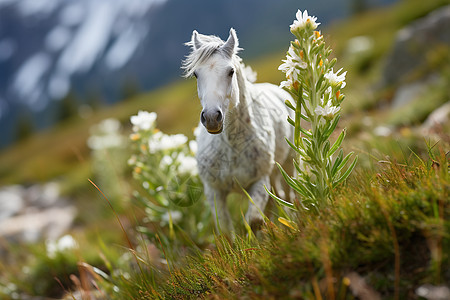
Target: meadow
<point>144,231</point>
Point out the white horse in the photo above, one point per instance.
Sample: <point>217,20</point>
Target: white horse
<point>243,127</point>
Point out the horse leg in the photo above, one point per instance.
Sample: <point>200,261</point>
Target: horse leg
<point>218,203</point>
<point>260,197</point>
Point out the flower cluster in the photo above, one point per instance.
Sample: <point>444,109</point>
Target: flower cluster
<point>316,91</point>
<point>166,170</point>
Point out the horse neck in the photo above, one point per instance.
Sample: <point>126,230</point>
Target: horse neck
<point>238,118</point>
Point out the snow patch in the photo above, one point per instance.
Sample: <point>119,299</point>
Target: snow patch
<point>90,40</point>
<point>124,47</point>
<point>27,80</point>
<point>57,38</point>
<point>7,47</point>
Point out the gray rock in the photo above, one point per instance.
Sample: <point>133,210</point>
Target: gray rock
<point>438,117</point>
<point>413,43</point>
<point>431,292</point>
<point>11,201</point>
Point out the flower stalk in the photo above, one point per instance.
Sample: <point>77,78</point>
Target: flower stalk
<point>316,91</point>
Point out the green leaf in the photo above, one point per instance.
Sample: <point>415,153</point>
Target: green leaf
<point>296,149</point>
<point>290,121</point>
<point>289,104</point>
<point>330,130</point>
<point>337,162</point>
<point>319,82</point>
<point>292,183</point>
<point>337,144</point>
<point>344,162</point>
<point>347,173</point>
<point>279,200</point>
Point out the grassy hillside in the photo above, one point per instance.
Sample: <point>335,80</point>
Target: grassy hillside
<point>389,225</point>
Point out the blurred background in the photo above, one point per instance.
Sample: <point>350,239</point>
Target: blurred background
<point>65,66</point>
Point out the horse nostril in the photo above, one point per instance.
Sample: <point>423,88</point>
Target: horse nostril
<point>219,116</point>
<point>202,118</point>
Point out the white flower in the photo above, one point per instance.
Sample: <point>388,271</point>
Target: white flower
<point>287,84</point>
<point>328,111</point>
<point>105,135</point>
<point>188,165</point>
<point>250,74</point>
<point>197,131</point>
<point>292,64</point>
<point>193,146</point>
<point>334,79</point>
<point>304,20</point>
<point>166,161</point>
<point>66,242</point>
<point>143,120</point>
<point>161,142</point>
<point>174,215</point>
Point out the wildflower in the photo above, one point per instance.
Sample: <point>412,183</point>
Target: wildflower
<point>292,64</point>
<point>193,146</point>
<point>335,79</point>
<point>188,165</point>
<point>196,131</point>
<point>166,161</point>
<point>174,215</point>
<point>66,242</point>
<point>132,160</point>
<point>161,142</point>
<point>143,120</point>
<point>304,21</point>
<point>135,136</point>
<point>327,111</point>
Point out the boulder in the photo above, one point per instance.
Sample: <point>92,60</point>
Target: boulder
<point>413,43</point>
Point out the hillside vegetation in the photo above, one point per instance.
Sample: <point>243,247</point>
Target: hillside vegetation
<point>386,235</point>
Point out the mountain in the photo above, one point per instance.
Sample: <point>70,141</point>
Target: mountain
<point>84,49</point>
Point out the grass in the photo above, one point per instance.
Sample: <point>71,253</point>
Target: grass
<point>389,224</point>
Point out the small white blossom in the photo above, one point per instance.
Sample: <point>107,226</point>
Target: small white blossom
<point>166,161</point>
<point>161,142</point>
<point>287,84</point>
<point>66,242</point>
<point>143,120</point>
<point>328,111</point>
<point>292,64</point>
<point>303,21</point>
<point>193,146</point>
<point>197,131</point>
<point>336,79</point>
<point>174,215</point>
<point>105,134</point>
<point>188,164</point>
<point>250,74</point>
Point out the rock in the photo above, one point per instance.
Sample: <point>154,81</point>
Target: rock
<point>30,227</point>
<point>437,119</point>
<point>413,43</point>
<point>431,292</point>
<point>11,201</point>
<point>33,213</point>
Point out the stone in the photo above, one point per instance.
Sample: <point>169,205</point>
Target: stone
<point>11,201</point>
<point>413,43</point>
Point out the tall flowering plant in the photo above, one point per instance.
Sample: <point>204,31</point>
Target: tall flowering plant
<point>166,170</point>
<point>316,91</point>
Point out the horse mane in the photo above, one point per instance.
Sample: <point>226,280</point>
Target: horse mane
<point>210,45</point>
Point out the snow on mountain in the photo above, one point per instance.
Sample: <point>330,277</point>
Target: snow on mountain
<point>48,47</point>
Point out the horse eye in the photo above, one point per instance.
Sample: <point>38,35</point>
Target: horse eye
<point>231,73</point>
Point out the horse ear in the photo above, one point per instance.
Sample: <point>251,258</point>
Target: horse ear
<point>195,40</point>
<point>231,45</point>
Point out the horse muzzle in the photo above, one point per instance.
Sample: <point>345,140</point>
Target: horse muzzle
<point>213,121</point>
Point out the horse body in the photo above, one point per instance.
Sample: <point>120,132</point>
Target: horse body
<point>244,127</point>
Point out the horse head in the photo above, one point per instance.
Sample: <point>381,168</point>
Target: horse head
<point>215,71</point>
